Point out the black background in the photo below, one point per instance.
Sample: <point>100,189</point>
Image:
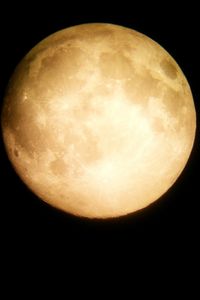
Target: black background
<point>163,236</point>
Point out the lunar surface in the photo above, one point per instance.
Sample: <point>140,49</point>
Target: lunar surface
<point>98,120</point>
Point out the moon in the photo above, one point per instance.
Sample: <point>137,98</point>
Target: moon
<point>98,120</point>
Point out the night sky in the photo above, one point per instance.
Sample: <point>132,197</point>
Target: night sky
<point>164,234</point>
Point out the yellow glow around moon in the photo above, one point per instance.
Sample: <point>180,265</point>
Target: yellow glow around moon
<point>98,120</point>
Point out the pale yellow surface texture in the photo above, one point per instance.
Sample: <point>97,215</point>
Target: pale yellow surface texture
<point>98,120</point>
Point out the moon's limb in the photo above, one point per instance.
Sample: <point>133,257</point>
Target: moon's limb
<point>98,120</point>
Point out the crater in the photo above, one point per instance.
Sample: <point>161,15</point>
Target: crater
<point>169,69</point>
<point>157,125</point>
<point>58,166</point>
<point>16,153</point>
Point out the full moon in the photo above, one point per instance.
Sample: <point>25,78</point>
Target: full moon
<point>98,120</point>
